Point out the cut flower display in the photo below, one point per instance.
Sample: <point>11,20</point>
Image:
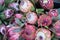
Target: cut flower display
<point>29,20</point>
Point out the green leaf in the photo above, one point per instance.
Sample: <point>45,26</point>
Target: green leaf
<point>19,22</point>
<point>32,8</point>
<point>39,10</point>
<point>0,22</point>
<point>46,27</point>
<point>2,7</point>
<point>54,38</point>
<point>8,1</point>
<point>33,1</point>
<point>2,16</point>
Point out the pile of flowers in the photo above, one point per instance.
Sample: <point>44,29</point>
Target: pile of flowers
<point>29,20</point>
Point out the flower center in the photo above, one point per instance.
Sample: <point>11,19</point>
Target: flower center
<point>30,17</point>
<point>41,38</point>
<point>24,4</point>
<point>44,22</point>
<point>28,32</point>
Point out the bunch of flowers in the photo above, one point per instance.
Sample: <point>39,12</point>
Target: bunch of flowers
<point>29,20</point>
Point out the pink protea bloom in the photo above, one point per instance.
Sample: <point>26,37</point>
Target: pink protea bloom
<point>44,20</point>
<point>46,4</point>
<point>14,37</point>
<point>14,30</point>
<point>2,29</point>
<point>53,13</point>
<point>57,28</point>
<point>8,13</point>
<point>43,34</point>
<point>29,32</point>
<point>31,17</point>
<point>1,2</point>
<point>19,16</point>
<point>14,5</point>
<point>25,5</point>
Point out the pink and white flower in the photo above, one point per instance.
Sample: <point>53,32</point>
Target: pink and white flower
<point>31,17</point>
<point>29,32</point>
<point>2,29</point>
<point>19,16</point>
<point>53,13</point>
<point>57,28</point>
<point>8,13</point>
<point>44,20</point>
<point>46,4</point>
<point>43,34</point>
<point>14,5</point>
<point>25,5</point>
<point>13,32</point>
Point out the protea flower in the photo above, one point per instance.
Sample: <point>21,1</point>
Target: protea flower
<point>14,5</point>
<point>31,17</point>
<point>46,4</point>
<point>44,20</point>
<point>8,13</point>
<point>29,32</point>
<point>19,16</point>
<point>57,28</point>
<point>1,2</point>
<point>14,32</point>
<point>43,34</point>
<point>53,13</point>
<point>2,29</point>
<point>25,5</point>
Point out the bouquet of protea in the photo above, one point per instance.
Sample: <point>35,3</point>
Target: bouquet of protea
<point>29,20</point>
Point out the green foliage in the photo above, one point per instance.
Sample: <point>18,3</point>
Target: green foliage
<point>32,8</point>
<point>2,16</point>
<point>54,38</point>
<point>46,27</point>
<point>2,7</point>
<point>8,1</point>
<point>19,22</point>
<point>39,10</point>
<point>32,1</point>
<point>0,22</point>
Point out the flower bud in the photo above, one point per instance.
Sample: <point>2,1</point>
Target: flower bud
<point>53,13</point>
<point>14,5</point>
<point>25,6</point>
<point>44,20</point>
<point>29,32</point>
<point>31,17</point>
<point>19,16</point>
<point>8,13</point>
<point>46,4</point>
<point>57,28</point>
